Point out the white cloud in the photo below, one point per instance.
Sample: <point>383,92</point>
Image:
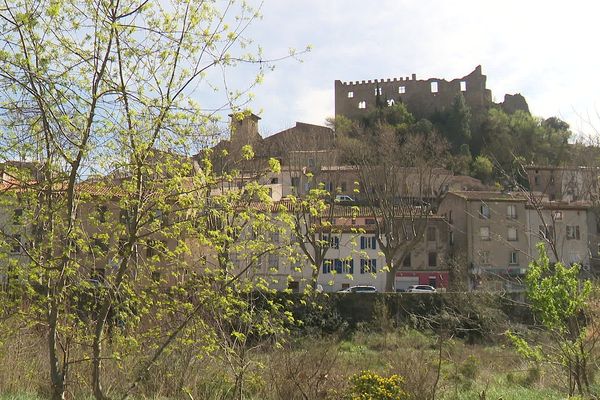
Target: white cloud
<point>314,106</point>
<point>544,50</point>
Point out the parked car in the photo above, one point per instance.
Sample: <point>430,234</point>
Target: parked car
<point>359,289</point>
<point>421,289</point>
<point>342,198</point>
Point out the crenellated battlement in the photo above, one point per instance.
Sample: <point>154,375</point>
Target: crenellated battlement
<point>385,80</point>
<point>422,97</point>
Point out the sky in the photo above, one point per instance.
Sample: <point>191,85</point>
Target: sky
<point>545,50</point>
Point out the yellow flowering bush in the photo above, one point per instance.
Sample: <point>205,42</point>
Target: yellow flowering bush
<point>370,386</point>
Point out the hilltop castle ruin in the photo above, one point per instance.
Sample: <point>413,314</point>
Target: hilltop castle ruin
<point>421,97</point>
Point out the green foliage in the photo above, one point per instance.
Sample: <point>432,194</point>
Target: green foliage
<point>560,301</point>
<point>555,291</point>
<point>370,386</point>
<point>482,168</point>
<point>523,138</point>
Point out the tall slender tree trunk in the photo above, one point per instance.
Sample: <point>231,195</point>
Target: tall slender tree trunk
<point>57,376</point>
<point>390,275</point>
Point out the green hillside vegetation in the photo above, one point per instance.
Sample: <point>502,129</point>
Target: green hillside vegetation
<point>477,141</point>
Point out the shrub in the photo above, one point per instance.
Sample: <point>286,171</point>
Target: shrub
<point>370,386</point>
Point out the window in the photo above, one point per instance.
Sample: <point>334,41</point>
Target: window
<point>402,89</point>
<point>511,211</point>
<point>311,162</point>
<point>343,186</point>
<point>573,232</point>
<point>390,102</point>
<point>368,242</point>
<point>370,221</point>
<point>328,265</point>
<point>378,91</point>
<point>160,216</point>
<point>151,248</point>
<point>432,258</point>
<point>295,181</point>
<point>558,215</point>
<point>450,216</point>
<point>484,211</point>
<point>102,210</point>
<point>274,181</point>
<point>431,234</point>
<point>407,260</point>
<point>362,104</point>
<point>350,95</point>
<point>484,257</point>
<point>514,258</point>
<point>17,216</point>
<point>368,266</point>
<point>463,86</point>
<point>275,237</point>
<point>450,238</point>
<point>536,180</point>
<point>484,233</point>
<point>345,266</point>
<point>331,241</point>
<point>434,87</point>
<point>512,234</point>
<point>273,261</point>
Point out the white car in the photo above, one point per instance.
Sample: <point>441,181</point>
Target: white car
<point>342,198</point>
<point>421,289</point>
<point>359,289</point>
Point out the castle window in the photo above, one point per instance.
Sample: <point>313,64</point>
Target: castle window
<point>362,104</point>
<point>391,102</point>
<point>463,86</point>
<point>350,95</point>
<point>402,89</point>
<point>378,91</point>
<point>434,87</point>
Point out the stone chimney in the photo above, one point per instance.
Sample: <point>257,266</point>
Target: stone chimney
<point>244,131</point>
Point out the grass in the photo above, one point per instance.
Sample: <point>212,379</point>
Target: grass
<point>467,370</point>
<point>504,393</point>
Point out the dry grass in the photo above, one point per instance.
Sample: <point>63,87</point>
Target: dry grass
<point>312,368</point>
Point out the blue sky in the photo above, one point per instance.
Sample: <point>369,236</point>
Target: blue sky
<point>545,50</point>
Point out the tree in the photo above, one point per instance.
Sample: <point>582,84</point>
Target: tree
<point>482,168</point>
<point>514,139</point>
<point>459,122</point>
<point>96,87</point>
<point>401,179</point>
<point>562,304</point>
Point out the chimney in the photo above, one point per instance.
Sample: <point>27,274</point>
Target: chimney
<point>244,129</point>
